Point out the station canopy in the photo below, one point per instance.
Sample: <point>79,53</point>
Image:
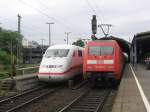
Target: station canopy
<point>142,41</point>
<point>124,45</point>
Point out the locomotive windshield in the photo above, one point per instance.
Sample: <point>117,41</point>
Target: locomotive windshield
<point>100,50</point>
<point>56,53</point>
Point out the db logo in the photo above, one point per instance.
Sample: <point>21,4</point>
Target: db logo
<point>100,62</point>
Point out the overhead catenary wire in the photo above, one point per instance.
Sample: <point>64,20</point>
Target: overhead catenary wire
<point>56,15</point>
<point>99,18</point>
<point>93,9</point>
<point>98,10</point>
<point>46,15</point>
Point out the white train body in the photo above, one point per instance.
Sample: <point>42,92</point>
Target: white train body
<point>61,63</point>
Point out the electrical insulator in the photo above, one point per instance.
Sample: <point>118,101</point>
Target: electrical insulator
<point>94,24</point>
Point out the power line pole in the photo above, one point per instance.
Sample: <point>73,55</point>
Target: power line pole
<point>42,41</point>
<point>19,21</point>
<point>106,33</point>
<point>67,33</point>
<point>49,32</point>
<point>19,45</point>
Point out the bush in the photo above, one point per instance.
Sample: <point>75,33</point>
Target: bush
<point>5,59</point>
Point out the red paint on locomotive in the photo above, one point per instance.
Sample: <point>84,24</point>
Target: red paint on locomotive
<point>103,58</point>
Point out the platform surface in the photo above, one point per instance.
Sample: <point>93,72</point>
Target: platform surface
<point>128,98</point>
<point>143,76</point>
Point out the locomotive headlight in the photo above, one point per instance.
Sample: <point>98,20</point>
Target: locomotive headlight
<point>91,62</point>
<point>108,61</point>
<point>109,66</point>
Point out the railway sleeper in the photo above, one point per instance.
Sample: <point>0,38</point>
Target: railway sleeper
<point>85,107</point>
<point>81,110</point>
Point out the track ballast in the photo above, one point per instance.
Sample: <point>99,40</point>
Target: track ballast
<point>91,100</point>
<point>19,101</point>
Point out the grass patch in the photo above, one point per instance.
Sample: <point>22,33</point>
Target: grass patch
<point>4,75</point>
<point>7,93</point>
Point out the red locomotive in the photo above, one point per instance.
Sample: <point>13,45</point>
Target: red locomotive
<point>103,60</point>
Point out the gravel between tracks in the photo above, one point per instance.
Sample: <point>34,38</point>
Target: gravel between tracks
<point>53,102</point>
<point>109,103</point>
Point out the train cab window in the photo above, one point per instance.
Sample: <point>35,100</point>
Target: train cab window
<point>100,50</point>
<point>106,50</point>
<point>79,53</point>
<point>56,53</point>
<point>94,50</point>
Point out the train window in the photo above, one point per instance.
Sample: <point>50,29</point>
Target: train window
<point>74,53</point>
<point>101,50</point>
<point>56,53</point>
<point>79,53</point>
<point>94,50</point>
<point>106,50</point>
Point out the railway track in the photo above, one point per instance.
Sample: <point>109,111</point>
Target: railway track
<point>16,102</point>
<point>92,100</point>
<point>79,85</point>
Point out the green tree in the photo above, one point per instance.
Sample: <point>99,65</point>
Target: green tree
<point>78,43</point>
<point>9,39</point>
<point>9,42</point>
<point>5,59</point>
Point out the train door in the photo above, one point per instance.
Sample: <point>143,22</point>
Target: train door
<point>80,58</point>
<point>75,58</point>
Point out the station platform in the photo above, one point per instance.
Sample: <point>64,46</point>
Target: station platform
<point>134,90</point>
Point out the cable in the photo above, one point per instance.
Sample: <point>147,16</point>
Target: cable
<point>45,14</point>
<point>98,9</point>
<point>87,1</point>
<point>48,8</point>
<point>93,10</point>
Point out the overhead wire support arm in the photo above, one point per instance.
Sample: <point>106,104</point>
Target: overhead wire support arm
<point>106,33</point>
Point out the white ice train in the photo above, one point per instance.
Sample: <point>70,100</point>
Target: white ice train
<point>61,63</point>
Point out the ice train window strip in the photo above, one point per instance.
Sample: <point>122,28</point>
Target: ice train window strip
<point>100,50</point>
<point>56,53</point>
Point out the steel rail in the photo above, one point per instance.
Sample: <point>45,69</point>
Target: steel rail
<point>30,101</point>
<point>19,95</point>
<point>88,101</point>
<point>80,85</point>
<point>21,100</point>
<point>76,99</point>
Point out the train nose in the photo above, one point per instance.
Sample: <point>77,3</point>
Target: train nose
<point>54,66</point>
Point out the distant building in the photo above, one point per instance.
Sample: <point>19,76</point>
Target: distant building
<point>32,52</point>
<point>29,44</point>
<point>25,42</point>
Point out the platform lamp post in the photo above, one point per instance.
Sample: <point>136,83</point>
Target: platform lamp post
<point>67,33</point>
<point>49,32</point>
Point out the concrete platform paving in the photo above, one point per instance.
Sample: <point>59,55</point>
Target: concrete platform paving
<point>128,98</point>
<point>143,76</point>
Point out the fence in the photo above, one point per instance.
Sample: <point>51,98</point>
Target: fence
<point>20,71</point>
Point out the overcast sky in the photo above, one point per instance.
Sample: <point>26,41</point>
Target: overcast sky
<point>128,17</point>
